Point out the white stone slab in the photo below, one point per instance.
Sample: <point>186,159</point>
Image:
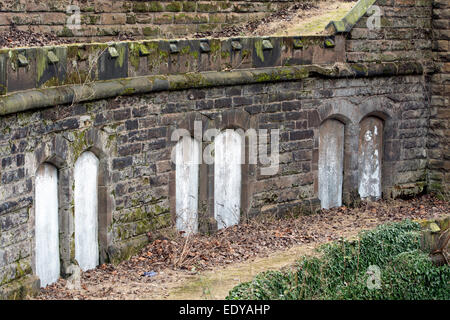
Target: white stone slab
<point>331,163</point>
<point>86,211</point>
<point>227,178</point>
<point>46,224</point>
<point>187,181</point>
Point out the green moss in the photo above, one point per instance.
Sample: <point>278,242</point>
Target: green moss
<point>185,50</point>
<point>149,31</point>
<point>121,50</point>
<point>225,5</point>
<point>282,74</point>
<point>142,227</point>
<point>188,6</point>
<point>134,54</point>
<point>259,49</point>
<point>41,63</point>
<point>225,54</point>
<point>155,6</point>
<point>359,68</point>
<point>72,52</point>
<point>206,7</point>
<point>128,91</point>
<point>214,46</point>
<point>246,54</point>
<point>53,82</point>
<point>174,7</point>
<point>77,77</point>
<point>191,80</point>
<point>66,32</point>
<point>140,7</point>
<point>79,145</point>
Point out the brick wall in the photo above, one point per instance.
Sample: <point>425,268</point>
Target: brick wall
<point>143,19</point>
<point>439,135</point>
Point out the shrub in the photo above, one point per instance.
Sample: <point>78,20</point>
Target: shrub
<point>341,270</point>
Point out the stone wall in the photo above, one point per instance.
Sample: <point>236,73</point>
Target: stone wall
<point>405,33</point>
<point>439,135</point>
<point>105,19</point>
<point>293,84</point>
<point>131,136</point>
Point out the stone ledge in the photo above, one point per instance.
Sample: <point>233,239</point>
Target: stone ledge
<point>346,24</point>
<point>52,66</point>
<point>42,98</point>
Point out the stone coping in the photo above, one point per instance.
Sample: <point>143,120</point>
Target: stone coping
<point>351,18</point>
<point>52,66</point>
<point>69,94</point>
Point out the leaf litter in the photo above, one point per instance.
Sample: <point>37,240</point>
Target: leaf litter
<point>174,261</point>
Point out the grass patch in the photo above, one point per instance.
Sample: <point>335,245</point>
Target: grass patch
<point>341,270</point>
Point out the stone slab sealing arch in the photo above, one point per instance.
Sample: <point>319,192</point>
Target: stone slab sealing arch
<point>227,178</point>
<point>86,211</point>
<point>188,154</point>
<point>331,163</point>
<point>47,224</point>
<point>370,158</point>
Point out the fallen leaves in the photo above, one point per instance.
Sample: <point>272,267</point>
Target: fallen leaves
<point>238,243</point>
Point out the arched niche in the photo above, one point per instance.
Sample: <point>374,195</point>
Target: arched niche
<point>370,158</point>
<point>227,178</point>
<point>86,210</point>
<point>331,163</point>
<point>188,153</point>
<point>47,224</point>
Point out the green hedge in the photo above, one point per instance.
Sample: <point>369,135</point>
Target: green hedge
<point>340,271</point>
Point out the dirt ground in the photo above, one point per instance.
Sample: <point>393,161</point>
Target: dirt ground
<point>207,267</point>
<point>304,18</point>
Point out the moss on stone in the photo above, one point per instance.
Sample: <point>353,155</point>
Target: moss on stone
<point>134,54</point>
<point>79,145</point>
<point>52,82</point>
<point>155,6</point>
<point>149,31</point>
<point>140,7</point>
<point>259,49</point>
<point>189,6</point>
<point>174,6</point>
<point>66,32</point>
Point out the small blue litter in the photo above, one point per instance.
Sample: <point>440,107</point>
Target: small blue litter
<point>150,274</point>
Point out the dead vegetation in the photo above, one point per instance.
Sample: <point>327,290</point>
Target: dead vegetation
<point>176,258</point>
<point>303,18</point>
